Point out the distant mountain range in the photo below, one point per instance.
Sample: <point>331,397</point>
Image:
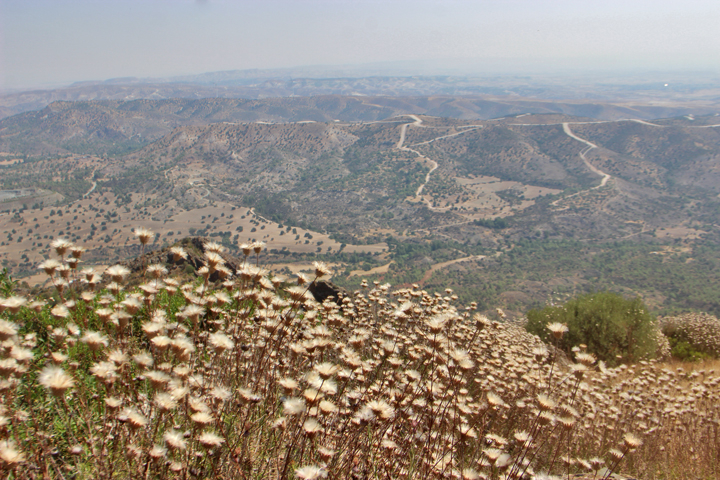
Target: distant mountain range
<point>632,96</point>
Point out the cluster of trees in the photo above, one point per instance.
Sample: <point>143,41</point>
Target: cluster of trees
<point>497,223</point>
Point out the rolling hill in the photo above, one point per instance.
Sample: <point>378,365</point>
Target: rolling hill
<point>406,197</point>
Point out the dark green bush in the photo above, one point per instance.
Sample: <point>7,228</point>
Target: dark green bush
<point>609,324</point>
<point>685,351</point>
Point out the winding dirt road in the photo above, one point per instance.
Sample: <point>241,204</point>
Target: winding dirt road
<point>470,128</point>
<point>442,265</point>
<point>403,130</point>
<point>94,184</point>
<point>92,188</point>
<point>605,176</point>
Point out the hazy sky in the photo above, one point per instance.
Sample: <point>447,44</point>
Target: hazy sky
<point>45,42</point>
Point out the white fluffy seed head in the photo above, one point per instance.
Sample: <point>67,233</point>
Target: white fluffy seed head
<point>56,380</point>
<point>175,440</point>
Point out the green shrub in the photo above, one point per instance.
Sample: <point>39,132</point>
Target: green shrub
<point>6,283</point>
<point>685,351</point>
<point>609,324</point>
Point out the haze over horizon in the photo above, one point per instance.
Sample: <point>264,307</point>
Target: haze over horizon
<point>53,43</point>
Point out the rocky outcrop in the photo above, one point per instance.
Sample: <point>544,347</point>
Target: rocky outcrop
<point>322,290</point>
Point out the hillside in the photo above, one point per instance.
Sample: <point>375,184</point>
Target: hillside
<point>120,126</point>
<point>349,174</point>
<point>512,211</point>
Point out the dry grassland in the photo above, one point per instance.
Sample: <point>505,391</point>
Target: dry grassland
<point>35,229</point>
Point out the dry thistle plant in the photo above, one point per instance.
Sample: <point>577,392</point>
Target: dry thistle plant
<point>248,377</point>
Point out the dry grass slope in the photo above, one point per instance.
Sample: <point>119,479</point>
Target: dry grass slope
<point>248,377</point>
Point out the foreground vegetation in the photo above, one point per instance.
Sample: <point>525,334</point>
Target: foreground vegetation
<point>241,375</point>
